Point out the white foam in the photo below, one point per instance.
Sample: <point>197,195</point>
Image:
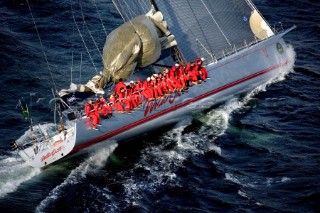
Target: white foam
<point>269,181</point>
<point>232,178</point>
<point>91,165</point>
<point>13,173</point>
<point>215,148</point>
<point>218,118</point>
<point>161,164</point>
<point>242,181</point>
<point>242,194</point>
<point>285,179</point>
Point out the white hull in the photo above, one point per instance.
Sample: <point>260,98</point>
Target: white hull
<point>229,77</point>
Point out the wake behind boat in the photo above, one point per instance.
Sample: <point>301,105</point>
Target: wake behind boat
<point>241,51</point>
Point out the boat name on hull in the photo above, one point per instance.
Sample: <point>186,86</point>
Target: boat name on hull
<point>150,106</point>
<point>49,154</point>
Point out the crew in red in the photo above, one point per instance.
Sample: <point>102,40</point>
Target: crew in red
<point>105,109</point>
<point>118,106</point>
<point>178,78</point>
<point>202,70</point>
<point>96,108</point>
<point>120,86</point>
<point>90,112</point>
<point>136,91</point>
<point>193,77</point>
<point>148,90</point>
<point>128,100</point>
<point>173,71</point>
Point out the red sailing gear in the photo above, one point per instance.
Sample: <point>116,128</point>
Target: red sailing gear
<point>156,89</point>
<point>170,85</point>
<point>96,111</point>
<point>193,76</point>
<point>204,73</point>
<point>148,90</point>
<point>163,85</point>
<point>87,109</point>
<point>92,114</point>
<point>118,106</point>
<point>173,71</point>
<point>180,71</point>
<point>102,100</point>
<point>128,106</point>
<point>104,110</point>
<point>183,81</point>
<point>119,87</point>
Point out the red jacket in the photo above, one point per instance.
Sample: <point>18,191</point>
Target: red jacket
<point>87,109</point>
<point>119,86</point>
<point>173,71</point>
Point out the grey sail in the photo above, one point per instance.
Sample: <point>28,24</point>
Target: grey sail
<point>206,28</point>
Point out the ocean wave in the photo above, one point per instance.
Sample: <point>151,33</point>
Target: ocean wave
<point>95,162</point>
<point>13,173</point>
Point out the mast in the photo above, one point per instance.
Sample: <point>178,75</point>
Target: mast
<point>177,56</point>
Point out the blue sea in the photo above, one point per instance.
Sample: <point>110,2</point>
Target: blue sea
<point>258,153</point>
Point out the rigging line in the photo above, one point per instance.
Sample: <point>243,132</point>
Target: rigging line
<point>83,40</point>
<point>72,56</point>
<point>122,8</point>
<point>198,41</point>
<point>80,67</point>
<point>204,35</point>
<point>215,22</point>
<point>142,6</point>
<point>71,67</point>
<point>94,2</point>
<point>115,4</point>
<point>55,113</point>
<point>90,32</point>
<point>133,14</point>
<point>211,55</point>
<point>45,56</point>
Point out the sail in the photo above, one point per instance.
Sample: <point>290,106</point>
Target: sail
<point>206,28</point>
<point>259,27</point>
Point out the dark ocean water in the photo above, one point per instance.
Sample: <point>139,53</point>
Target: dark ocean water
<point>260,153</point>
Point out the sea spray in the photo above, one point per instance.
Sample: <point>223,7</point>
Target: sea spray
<point>13,173</point>
<point>95,162</point>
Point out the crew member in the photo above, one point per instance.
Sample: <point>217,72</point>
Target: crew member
<point>90,113</point>
<point>120,86</point>
<point>202,70</point>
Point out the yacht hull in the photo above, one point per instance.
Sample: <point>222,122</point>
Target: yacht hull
<point>231,76</point>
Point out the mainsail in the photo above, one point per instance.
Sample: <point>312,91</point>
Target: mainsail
<point>206,28</point>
